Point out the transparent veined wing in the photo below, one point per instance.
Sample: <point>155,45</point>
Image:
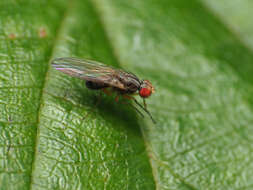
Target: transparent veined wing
<point>89,70</point>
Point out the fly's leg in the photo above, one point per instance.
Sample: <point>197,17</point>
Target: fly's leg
<point>99,99</point>
<point>117,98</point>
<point>144,108</point>
<point>128,97</point>
<point>109,93</point>
<point>144,103</point>
<point>132,106</point>
<point>106,91</point>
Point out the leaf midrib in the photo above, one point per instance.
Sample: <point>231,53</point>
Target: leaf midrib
<point>36,140</point>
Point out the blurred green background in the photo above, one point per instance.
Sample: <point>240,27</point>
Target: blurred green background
<point>197,54</point>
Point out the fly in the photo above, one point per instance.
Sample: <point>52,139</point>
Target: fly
<point>101,77</point>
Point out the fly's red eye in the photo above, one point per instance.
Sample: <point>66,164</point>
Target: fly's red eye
<point>145,92</point>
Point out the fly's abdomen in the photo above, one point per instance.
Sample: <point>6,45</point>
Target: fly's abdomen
<point>95,86</point>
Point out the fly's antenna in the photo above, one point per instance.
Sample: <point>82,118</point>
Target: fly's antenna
<point>145,110</point>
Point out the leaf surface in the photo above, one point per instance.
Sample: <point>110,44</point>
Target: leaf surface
<point>57,134</point>
<point>26,41</point>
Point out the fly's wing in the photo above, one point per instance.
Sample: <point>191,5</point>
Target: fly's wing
<point>88,70</point>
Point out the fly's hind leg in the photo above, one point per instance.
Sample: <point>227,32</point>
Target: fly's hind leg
<point>105,90</point>
<point>98,99</point>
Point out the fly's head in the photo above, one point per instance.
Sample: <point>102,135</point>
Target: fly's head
<point>146,89</point>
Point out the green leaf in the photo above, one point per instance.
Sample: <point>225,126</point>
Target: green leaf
<point>237,17</point>
<point>56,134</point>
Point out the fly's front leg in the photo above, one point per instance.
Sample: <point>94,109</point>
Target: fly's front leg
<point>142,107</point>
<point>144,103</point>
<point>128,103</point>
<point>132,106</point>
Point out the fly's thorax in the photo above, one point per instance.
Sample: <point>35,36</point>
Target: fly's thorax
<point>130,81</point>
<point>146,89</point>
